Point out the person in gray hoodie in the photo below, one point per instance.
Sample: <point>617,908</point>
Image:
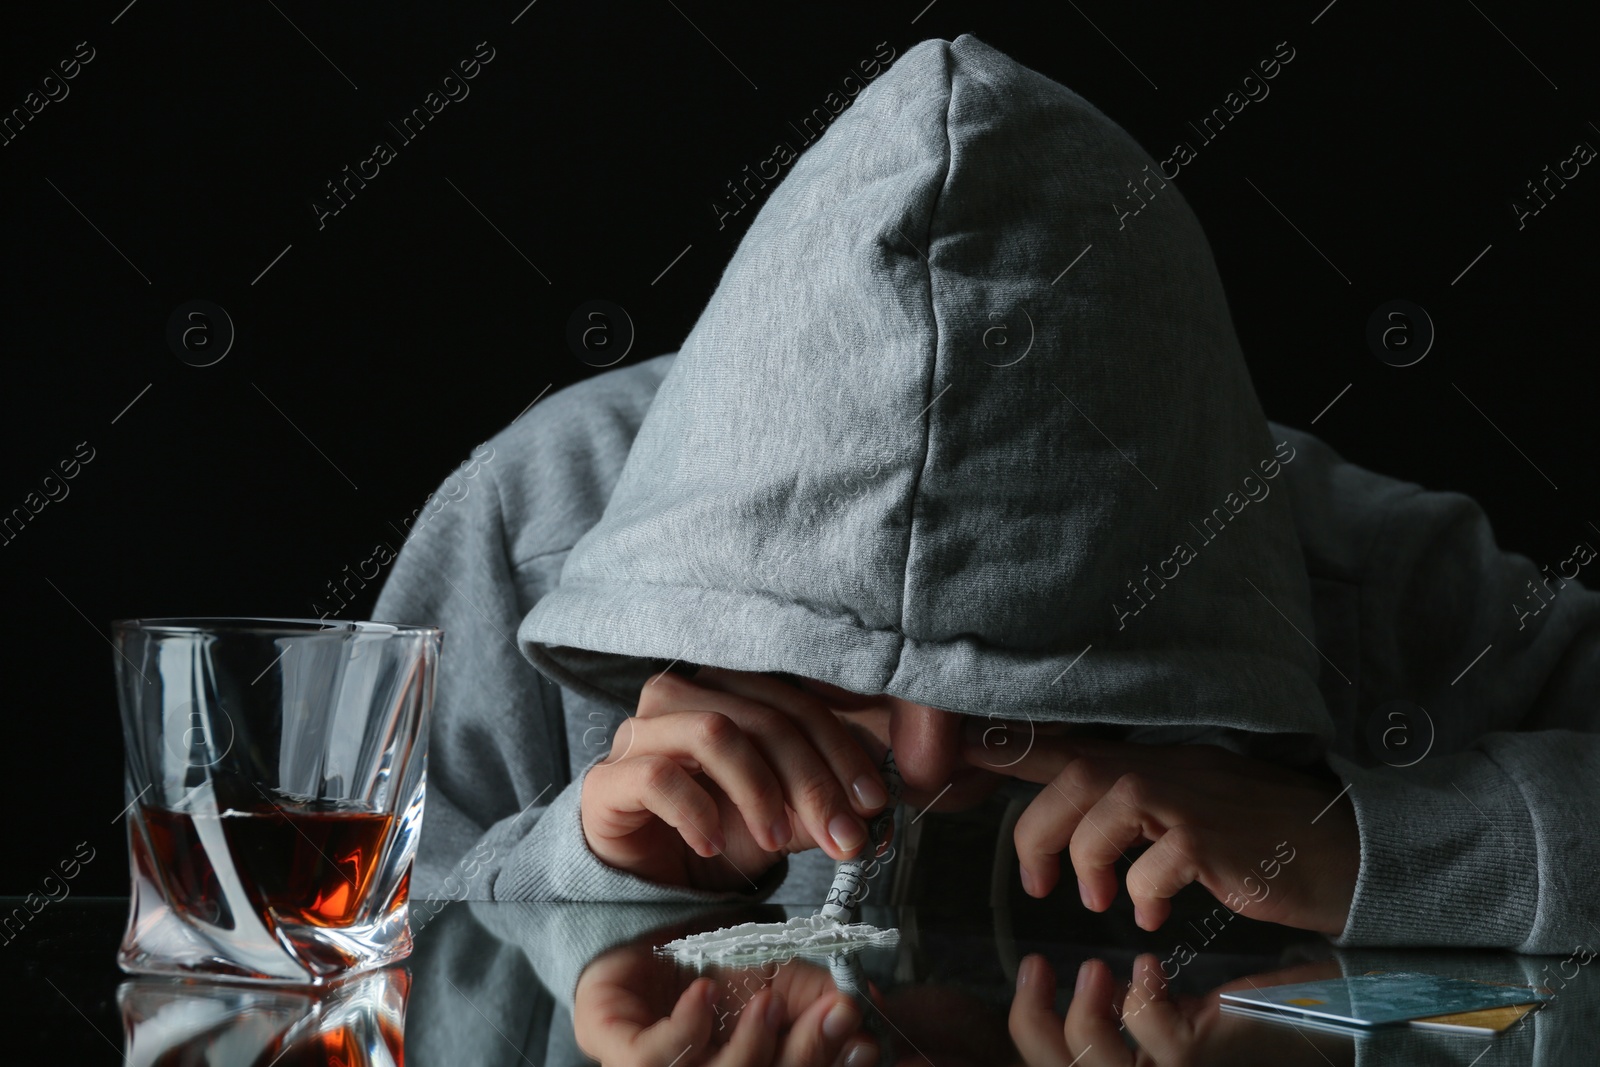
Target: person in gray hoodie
<point>956,447</point>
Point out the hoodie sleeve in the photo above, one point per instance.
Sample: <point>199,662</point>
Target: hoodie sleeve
<point>502,816</point>
<point>1485,829</point>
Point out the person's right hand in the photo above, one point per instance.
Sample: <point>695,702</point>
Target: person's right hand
<point>715,777</point>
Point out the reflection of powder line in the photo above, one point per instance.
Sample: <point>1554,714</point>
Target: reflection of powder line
<point>808,935</point>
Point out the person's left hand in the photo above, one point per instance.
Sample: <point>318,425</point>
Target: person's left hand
<point>1268,842</point>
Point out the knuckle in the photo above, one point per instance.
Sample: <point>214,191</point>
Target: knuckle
<point>1078,776</point>
<point>816,792</point>
<point>1185,842</point>
<point>1133,789</point>
<point>1081,851</point>
<point>657,773</point>
<point>713,731</point>
<point>1188,848</point>
<point>769,722</point>
<point>842,750</point>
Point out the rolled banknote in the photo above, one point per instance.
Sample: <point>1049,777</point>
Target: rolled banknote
<point>850,883</point>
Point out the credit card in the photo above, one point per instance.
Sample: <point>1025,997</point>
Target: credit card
<point>1388,997</point>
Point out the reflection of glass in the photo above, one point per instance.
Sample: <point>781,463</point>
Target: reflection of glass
<point>275,772</point>
<point>359,1022</point>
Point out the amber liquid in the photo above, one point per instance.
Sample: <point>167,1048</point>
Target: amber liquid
<point>344,1047</point>
<point>306,866</point>
<point>340,1047</point>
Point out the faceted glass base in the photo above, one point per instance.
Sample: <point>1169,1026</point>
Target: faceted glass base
<point>359,1022</point>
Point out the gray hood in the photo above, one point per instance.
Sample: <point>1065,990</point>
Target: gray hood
<point>959,426</point>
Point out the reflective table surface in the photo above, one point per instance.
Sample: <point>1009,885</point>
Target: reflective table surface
<point>552,984</point>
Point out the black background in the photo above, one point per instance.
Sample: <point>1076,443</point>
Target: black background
<point>377,351</point>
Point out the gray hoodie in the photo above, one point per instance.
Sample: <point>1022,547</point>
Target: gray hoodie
<point>951,429</point>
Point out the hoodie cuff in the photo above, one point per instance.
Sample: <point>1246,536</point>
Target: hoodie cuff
<point>1444,855</point>
<point>554,863</point>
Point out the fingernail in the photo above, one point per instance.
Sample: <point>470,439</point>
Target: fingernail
<point>1140,917</point>
<point>841,1020</point>
<point>1022,973</point>
<point>774,1012</point>
<point>780,832</point>
<point>846,832</point>
<point>711,994</point>
<point>1027,881</point>
<point>869,792</point>
<point>1083,894</point>
<point>1083,979</point>
<point>863,1055</point>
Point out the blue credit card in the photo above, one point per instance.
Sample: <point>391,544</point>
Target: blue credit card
<point>1390,997</point>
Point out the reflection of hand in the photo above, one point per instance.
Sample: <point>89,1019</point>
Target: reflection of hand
<point>714,778</point>
<point>1189,1030</point>
<point>1268,842</point>
<point>634,1007</point>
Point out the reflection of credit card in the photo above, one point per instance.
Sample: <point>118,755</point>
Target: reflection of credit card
<point>1375,999</point>
<point>1299,1022</point>
<point>1486,1021</point>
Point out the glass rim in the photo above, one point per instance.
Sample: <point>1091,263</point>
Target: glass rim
<point>283,627</point>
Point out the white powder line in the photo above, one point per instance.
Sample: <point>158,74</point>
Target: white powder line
<point>808,935</point>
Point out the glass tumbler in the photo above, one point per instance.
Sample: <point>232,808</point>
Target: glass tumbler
<point>275,773</point>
